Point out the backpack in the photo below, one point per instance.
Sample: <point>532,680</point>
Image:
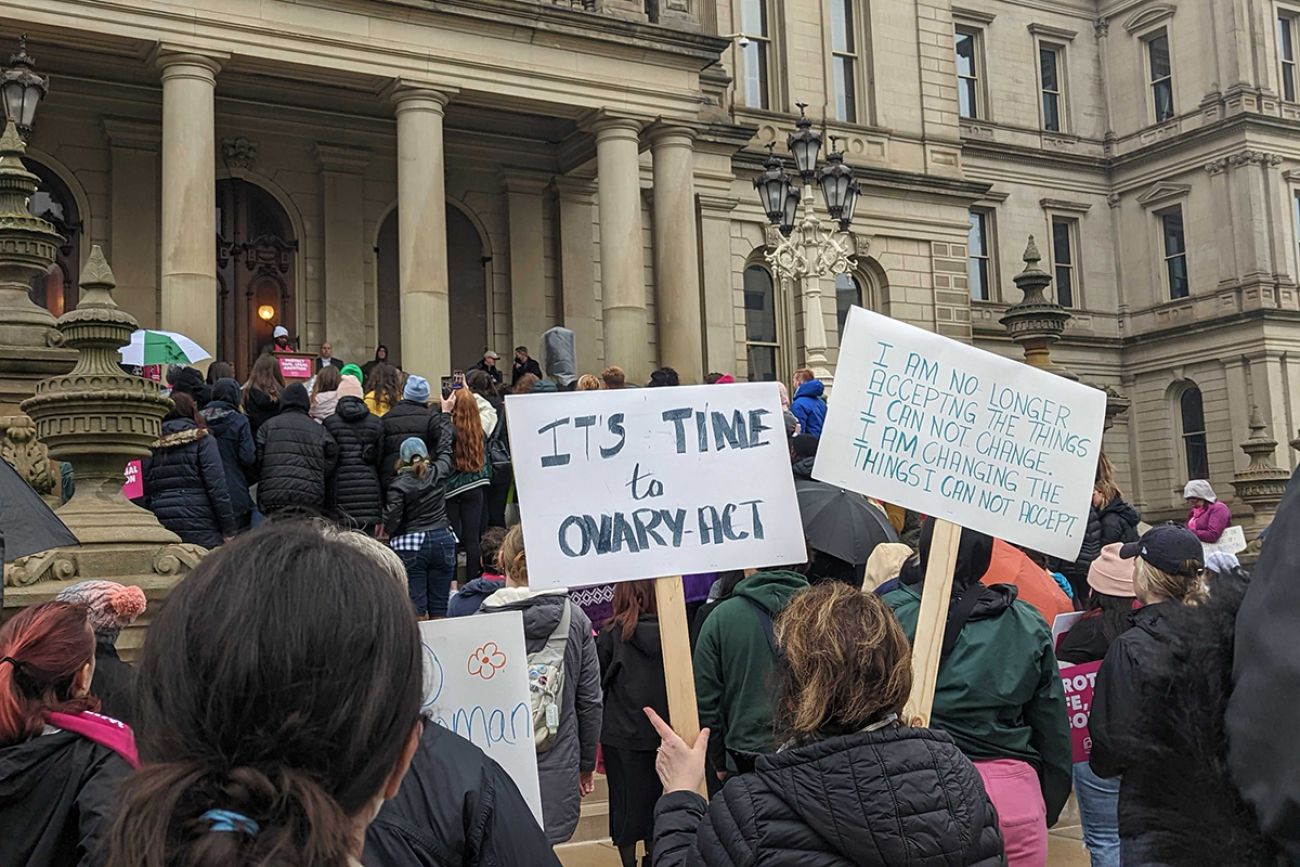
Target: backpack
<point>498,450</point>
<point>546,684</point>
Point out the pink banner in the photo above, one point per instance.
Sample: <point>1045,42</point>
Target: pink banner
<point>295,368</point>
<point>152,371</point>
<point>134,487</point>
<point>1079,681</point>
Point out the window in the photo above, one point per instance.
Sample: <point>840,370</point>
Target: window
<point>978,247</point>
<point>968,84</point>
<point>1161,75</point>
<point>55,289</point>
<point>1175,244</point>
<point>761,341</point>
<point>1063,234</point>
<point>1192,412</point>
<point>843,60</point>
<point>848,293</point>
<point>755,57</point>
<point>1050,75</point>
<point>1286,50</point>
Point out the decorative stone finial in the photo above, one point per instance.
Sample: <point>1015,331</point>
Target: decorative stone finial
<point>1262,483</point>
<point>1037,321</point>
<point>97,281</point>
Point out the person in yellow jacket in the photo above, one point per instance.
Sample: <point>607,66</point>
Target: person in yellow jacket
<point>383,389</point>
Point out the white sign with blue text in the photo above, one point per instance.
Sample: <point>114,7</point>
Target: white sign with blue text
<point>476,685</point>
<point>948,430</point>
<point>646,483</point>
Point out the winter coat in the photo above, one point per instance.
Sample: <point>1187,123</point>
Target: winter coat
<point>487,414</point>
<point>325,405</point>
<point>995,709</point>
<point>114,682</point>
<point>1209,522</point>
<point>58,793</point>
<point>378,404</point>
<point>260,408</point>
<point>1086,641</point>
<point>416,505</point>
<point>518,369</point>
<point>494,371</point>
<point>734,658</point>
<point>234,436</point>
<point>456,807</point>
<point>893,797</point>
<point>632,678</point>
<point>1076,571</point>
<point>295,458</point>
<point>412,419</point>
<point>459,482</point>
<point>1119,522</point>
<point>185,485</point>
<point>809,407</point>
<point>469,598</point>
<point>358,497</point>
<point>574,749</point>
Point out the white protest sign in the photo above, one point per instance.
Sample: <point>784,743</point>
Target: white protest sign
<point>1233,541</point>
<point>643,483</point>
<point>476,685</point>
<point>955,432</point>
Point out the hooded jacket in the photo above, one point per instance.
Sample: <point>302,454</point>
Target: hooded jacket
<point>185,485</point>
<point>260,408</point>
<point>809,407</point>
<point>469,599</point>
<point>898,796</point>
<point>410,418</point>
<point>574,749</point>
<point>1119,522</point>
<point>733,658</point>
<point>58,792</point>
<point>1209,521</point>
<point>631,678</point>
<point>456,807</point>
<point>295,458</point>
<point>234,436</point>
<point>325,405</point>
<point>358,497</point>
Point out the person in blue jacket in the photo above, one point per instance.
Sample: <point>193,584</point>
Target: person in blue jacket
<point>809,405</point>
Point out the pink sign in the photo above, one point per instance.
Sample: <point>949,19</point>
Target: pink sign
<point>1079,681</point>
<point>152,371</point>
<point>134,487</point>
<point>295,368</point>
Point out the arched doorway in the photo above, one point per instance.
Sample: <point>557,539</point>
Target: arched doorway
<point>256,251</point>
<point>56,290</point>
<point>467,259</point>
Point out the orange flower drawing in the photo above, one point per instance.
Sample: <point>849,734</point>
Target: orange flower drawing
<point>486,661</point>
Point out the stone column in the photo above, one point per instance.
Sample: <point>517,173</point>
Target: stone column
<point>720,335</point>
<point>343,201</point>
<point>581,309</point>
<point>189,196</point>
<point>524,200</point>
<point>677,253</point>
<point>622,256</point>
<point>422,231</point>
<point>133,182</point>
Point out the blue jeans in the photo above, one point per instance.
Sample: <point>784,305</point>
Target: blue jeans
<point>429,572</point>
<point>1099,812</point>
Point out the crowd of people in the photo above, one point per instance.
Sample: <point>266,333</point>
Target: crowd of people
<point>274,716</point>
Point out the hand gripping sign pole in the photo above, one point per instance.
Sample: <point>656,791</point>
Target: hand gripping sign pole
<point>679,673</point>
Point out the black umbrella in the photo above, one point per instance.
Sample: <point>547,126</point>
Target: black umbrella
<point>27,524</point>
<point>841,523</point>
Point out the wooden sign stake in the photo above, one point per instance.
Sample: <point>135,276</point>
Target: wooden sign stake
<point>928,641</point>
<point>679,673</point>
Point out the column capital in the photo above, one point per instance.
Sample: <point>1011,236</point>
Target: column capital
<point>607,126</point>
<point>574,188</point>
<point>664,133</point>
<point>185,61</point>
<point>524,181</point>
<point>418,96</point>
<point>725,204</point>
<point>127,132</point>
<point>341,158</point>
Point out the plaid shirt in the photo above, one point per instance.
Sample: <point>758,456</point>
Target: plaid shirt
<point>408,542</point>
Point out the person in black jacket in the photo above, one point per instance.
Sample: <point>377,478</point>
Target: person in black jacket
<point>456,806</point>
<point>853,786</point>
<point>234,436</point>
<point>632,678</point>
<point>295,458</point>
<point>415,518</point>
<point>110,608</point>
<point>412,417</point>
<point>358,498</point>
<point>524,365</point>
<point>262,391</point>
<point>184,480</point>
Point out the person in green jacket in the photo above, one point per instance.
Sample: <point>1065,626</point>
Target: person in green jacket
<point>734,657</point>
<point>999,694</point>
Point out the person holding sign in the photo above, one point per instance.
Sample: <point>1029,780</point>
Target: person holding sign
<point>1209,517</point>
<point>998,694</point>
<point>852,784</point>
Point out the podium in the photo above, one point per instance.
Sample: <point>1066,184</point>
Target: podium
<point>296,366</point>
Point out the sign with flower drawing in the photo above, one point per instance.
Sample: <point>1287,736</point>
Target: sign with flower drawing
<point>476,685</point>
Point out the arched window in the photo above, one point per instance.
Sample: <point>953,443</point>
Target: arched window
<point>762,343</point>
<point>848,293</point>
<point>1191,411</point>
<point>56,290</point>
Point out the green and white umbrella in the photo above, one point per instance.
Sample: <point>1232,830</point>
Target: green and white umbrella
<point>161,347</point>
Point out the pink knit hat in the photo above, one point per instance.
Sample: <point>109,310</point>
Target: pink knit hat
<point>113,606</point>
<point>349,387</point>
<point>1111,574</point>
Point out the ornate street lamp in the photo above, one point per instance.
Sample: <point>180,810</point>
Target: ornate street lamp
<point>805,143</point>
<point>773,187</point>
<point>22,89</point>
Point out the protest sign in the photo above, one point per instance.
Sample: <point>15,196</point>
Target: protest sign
<point>1233,541</point>
<point>645,483</point>
<point>133,488</point>
<point>1062,625</point>
<point>476,685</point>
<point>955,432</point>
<point>1079,682</point>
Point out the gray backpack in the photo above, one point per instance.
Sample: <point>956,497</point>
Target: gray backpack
<point>546,684</point>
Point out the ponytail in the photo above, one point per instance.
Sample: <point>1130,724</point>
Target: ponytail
<point>41,650</point>
<point>511,558</point>
<point>1185,585</point>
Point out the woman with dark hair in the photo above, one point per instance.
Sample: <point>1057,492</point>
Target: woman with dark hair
<point>60,763</point>
<point>220,370</point>
<point>324,392</point>
<point>470,475</point>
<point>254,751</point>
<point>234,436</point>
<point>262,391</point>
<point>383,388</point>
<point>185,480</point>
<point>853,784</point>
<point>632,678</point>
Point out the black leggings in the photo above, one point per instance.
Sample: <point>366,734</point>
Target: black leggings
<point>466,513</point>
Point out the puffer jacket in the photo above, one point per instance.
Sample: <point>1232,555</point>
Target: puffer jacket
<point>1119,522</point>
<point>260,407</point>
<point>809,407</point>
<point>358,498</point>
<point>897,796</point>
<point>409,418</point>
<point>295,458</point>
<point>234,436</point>
<point>185,485</point>
<point>574,749</point>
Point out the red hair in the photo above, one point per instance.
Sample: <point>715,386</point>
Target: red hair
<point>631,600</point>
<point>43,648</point>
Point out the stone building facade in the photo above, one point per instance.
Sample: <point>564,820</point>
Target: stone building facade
<point>445,177</point>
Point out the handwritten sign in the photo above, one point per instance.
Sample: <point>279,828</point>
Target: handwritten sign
<point>642,483</point>
<point>295,368</point>
<point>1061,625</point>
<point>1233,541</point>
<point>133,489</point>
<point>476,685</point>
<point>1079,681</point>
<point>958,433</point>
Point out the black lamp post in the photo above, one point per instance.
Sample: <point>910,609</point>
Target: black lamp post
<point>23,89</point>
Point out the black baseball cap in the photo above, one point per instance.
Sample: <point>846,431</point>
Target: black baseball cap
<point>1165,547</point>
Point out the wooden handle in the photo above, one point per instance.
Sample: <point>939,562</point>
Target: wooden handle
<point>927,645</point>
<point>679,673</point>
